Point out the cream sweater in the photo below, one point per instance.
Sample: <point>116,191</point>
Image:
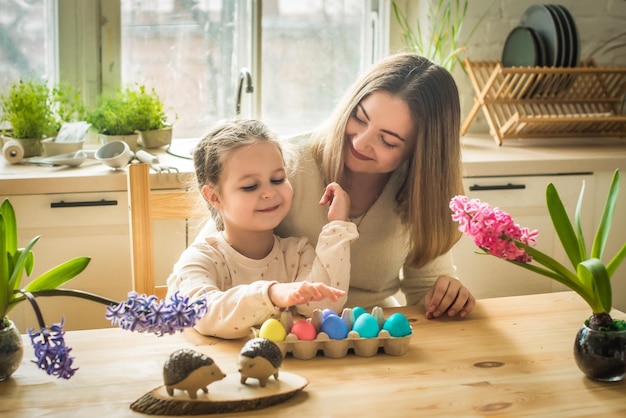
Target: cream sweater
<point>236,287</point>
<point>378,256</point>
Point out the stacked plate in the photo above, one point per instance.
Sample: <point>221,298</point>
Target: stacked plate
<point>547,36</point>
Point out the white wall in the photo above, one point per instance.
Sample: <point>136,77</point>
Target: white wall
<point>597,22</point>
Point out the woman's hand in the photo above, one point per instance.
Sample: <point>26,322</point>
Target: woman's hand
<point>284,295</point>
<point>338,201</point>
<point>448,295</point>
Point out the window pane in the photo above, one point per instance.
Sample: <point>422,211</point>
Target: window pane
<point>311,52</point>
<point>189,52</point>
<point>24,48</point>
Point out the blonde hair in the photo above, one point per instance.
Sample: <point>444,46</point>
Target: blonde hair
<point>212,150</point>
<point>434,171</point>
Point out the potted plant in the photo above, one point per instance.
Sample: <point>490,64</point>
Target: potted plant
<point>441,43</point>
<point>115,119</point>
<point>152,123</point>
<point>36,112</point>
<point>140,313</point>
<point>600,343</point>
<point>27,108</point>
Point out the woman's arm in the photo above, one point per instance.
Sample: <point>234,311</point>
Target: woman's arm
<point>436,285</point>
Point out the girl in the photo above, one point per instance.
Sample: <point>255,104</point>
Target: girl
<point>244,271</point>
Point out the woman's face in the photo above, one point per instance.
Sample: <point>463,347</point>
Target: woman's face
<point>379,134</point>
<point>255,193</point>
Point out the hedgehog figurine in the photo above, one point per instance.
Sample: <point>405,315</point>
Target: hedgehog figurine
<point>259,359</point>
<point>189,370</point>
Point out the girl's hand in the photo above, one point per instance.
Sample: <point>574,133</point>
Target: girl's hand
<point>284,295</point>
<point>448,294</point>
<point>338,202</point>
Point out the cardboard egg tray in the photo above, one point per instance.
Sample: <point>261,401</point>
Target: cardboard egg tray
<point>364,347</point>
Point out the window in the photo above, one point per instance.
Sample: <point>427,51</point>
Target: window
<point>298,56</point>
<point>26,50</point>
<point>196,54</point>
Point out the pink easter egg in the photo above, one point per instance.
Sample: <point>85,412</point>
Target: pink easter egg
<point>304,330</point>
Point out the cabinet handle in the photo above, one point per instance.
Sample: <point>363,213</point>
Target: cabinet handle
<point>508,186</point>
<point>63,204</point>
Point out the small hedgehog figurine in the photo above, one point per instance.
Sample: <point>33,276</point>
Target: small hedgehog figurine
<point>189,370</point>
<point>259,359</point>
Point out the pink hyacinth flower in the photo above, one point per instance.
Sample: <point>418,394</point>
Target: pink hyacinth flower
<point>492,229</point>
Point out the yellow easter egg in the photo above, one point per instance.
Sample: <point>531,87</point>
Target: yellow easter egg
<point>273,330</point>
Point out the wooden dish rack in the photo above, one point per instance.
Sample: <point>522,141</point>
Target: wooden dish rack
<point>526,102</point>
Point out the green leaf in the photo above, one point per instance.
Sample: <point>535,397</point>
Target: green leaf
<point>562,225</point>
<point>615,262</point>
<point>10,222</point>
<point>602,233</point>
<point>24,259</point>
<point>58,275</point>
<point>577,220</point>
<point>593,270</point>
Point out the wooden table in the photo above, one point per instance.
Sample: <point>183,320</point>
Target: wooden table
<point>511,357</point>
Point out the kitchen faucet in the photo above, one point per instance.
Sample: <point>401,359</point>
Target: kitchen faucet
<point>244,75</point>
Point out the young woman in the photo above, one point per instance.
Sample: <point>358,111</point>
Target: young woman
<point>393,143</point>
<point>244,271</point>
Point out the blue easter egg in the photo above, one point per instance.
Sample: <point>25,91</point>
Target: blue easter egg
<point>334,327</point>
<point>366,326</point>
<point>358,311</point>
<point>397,325</point>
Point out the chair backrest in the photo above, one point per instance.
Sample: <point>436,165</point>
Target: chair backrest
<point>145,206</point>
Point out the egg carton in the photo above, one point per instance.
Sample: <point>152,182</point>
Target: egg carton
<point>364,347</point>
<point>338,348</point>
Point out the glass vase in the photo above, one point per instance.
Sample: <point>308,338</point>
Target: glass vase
<point>600,354</point>
<point>11,349</point>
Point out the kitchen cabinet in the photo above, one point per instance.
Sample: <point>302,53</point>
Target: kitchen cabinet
<point>93,225</point>
<point>74,225</point>
<point>523,197</point>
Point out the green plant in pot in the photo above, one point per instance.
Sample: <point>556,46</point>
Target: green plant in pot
<point>140,313</point>
<point>600,343</point>
<point>115,119</point>
<point>150,115</point>
<point>27,108</point>
<point>35,112</point>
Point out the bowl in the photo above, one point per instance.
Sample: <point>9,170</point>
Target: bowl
<point>52,148</point>
<point>116,154</point>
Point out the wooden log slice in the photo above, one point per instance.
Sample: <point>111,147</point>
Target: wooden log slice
<point>226,395</point>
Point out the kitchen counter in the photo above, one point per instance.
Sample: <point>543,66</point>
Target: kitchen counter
<point>481,157</point>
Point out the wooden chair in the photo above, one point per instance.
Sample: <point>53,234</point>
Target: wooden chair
<point>145,207</point>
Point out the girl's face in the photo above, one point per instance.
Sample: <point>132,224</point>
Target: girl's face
<point>379,134</point>
<point>255,193</point>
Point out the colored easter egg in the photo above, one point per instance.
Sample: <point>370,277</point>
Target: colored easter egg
<point>366,326</point>
<point>334,327</point>
<point>328,312</point>
<point>273,330</point>
<point>304,330</point>
<point>358,311</point>
<point>397,325</point>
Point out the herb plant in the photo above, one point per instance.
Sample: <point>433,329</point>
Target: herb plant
<point>33,110</point>
<point>129,110</point>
